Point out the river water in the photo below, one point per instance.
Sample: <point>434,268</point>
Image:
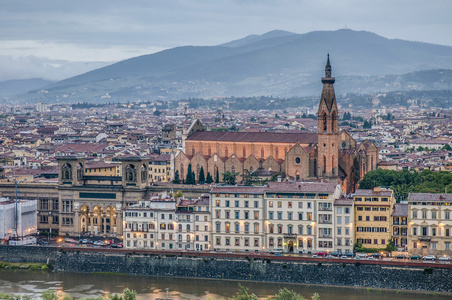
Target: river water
<point>84,285</point>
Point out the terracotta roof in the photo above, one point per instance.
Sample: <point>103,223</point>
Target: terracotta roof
<point>238,189</point>
<point>371,192</point>
<point>400,210</point>
<point>429,197</point>
<point>313,187</point>
<point>264,137</point>
<point>345,202</point>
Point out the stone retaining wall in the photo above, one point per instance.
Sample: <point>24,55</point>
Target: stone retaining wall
<point>349,273</point>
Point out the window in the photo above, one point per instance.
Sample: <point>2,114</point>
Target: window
<point>217,214</point>
<point>227,241</point>
<point>236,203</point>
<point>227,203</point>
<point>414,214</point>
<point>309,204</point>
<point>237,227</point>
<point>279,228</point>
<point>347,210</point>
<point>347,220</point>
<point>300,229</point>
<point>290,229</point>
<point>227,214</point>
<point>424,215</point>
<point>434,231</point>
<point>247,228</point>
<point>414,231</point>
<point>433,245</point>
<point>270,228</point>
<point>447,215</point>
<point>339,210</point>
<point>256,228</point>
<point>67,206</point>
<point>237,241</point>
<point>217,226</point>
<point>256,215</point>
<point>367,218</point>
<point>271,242</point>
<point>279,204</point>
<point>289,204</point>
<point>309,230</point>
<point>227,227</point>
<point>289,216</point>
<point>339,220</point>
<point>433,214</point>
<point>256,204</point>
<point>237,214</point>
<point>447,245</point>
<point>300,216</point>
<point>300,204</point>
<point>246,203</point>
<point>279,215</point>
<point>247,215</point>
<point>218,241</point>
<point>218,202</point>
<point>339,231</point>
<point>270,203</point>
<point>309,216</point>
<point>270,215</point>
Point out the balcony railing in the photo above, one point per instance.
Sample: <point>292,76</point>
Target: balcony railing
<point>325,208</point>
<point>325,222</point>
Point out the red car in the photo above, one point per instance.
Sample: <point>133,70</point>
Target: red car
<point>321,253</point>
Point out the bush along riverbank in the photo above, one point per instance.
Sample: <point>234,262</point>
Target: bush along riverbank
<point>242,294</point>
<point>26,266</point>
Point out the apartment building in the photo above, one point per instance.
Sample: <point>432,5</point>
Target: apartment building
<point>373,211</point>
<point>283,216</point>
<point>344,225</point>
<point>429,224</point>
<point>400,225</point>
<point>151,224</point>
<point>237,218</point>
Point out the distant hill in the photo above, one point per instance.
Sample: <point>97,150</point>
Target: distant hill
<point>11,88</point>
<point>277,63</point>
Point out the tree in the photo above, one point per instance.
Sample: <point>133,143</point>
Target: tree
<point>129,294</point>
<point>390,246</point>
<point>217,178</point>
<point>209,178</point>
<point>178,194</point>
<point>286,294</point>
<point>190,179</point>
<point>355,174</point>
<point>447,147</point>
<point>244,294</point>
<point>157,113</point>
<point>176,177</point>
<point>230,177</point>
<point>202,178</point>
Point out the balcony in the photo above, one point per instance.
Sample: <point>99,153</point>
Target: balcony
<point>424,238</point>
<point>289,236</point>
<point>325,222</point>
<point>325,236</point>
<point>325,208</point>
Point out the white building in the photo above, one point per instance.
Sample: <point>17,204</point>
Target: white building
<point>26,218</point>
<point>289,217</point>
<point>344,217</point>
<point>150,224</point>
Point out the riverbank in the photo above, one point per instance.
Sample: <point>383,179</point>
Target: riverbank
<point>343,273</point>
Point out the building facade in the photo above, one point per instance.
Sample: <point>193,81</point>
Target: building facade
<point>373,216</point>
<point>429,224</point>
<point>328,154</point>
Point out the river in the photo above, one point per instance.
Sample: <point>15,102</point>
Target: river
<point>84,285</point>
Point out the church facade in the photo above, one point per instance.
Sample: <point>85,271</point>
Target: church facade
<point>330,154</point>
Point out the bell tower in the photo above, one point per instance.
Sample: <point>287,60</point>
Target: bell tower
<point>327,130</point>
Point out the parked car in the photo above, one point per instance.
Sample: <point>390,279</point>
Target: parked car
<point>376,255</point>
<point>323,253</point>
<point>345,257</point>
<point>329,256</point>
<point>120,245</point>
<point>400,256</point>
<point>336,253</point>
<point>371,258</point>
<point>415,257</point>
<point>429,257</point>
<point>444,258</point>
<point>315,255</point>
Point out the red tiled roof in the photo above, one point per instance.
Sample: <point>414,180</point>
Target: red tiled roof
<point>429,197</point>
<point>304,187</point>
<point>263,137</point>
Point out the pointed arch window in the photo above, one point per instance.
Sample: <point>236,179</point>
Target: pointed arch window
<point>210,151</point>
<point>226,152</point>
<point>233,169</point>
<point>324,164</point>
<point>244,152</point>
<point>262,152</point>
<point>182,171</point>
<point>324,122</point>
<point>276,153</point>
<point>192,150</point>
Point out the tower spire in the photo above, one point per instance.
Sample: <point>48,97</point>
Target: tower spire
<point>328,67</point>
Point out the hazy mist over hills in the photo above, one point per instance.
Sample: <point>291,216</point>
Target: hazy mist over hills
<point>277,63</point>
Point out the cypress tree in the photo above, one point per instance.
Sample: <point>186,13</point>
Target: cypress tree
<point>176,177</point>
<point>217,179</point>
<point>201,178</point>
<point>209,178</point>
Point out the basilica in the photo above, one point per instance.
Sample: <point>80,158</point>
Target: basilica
<point>330,154</point>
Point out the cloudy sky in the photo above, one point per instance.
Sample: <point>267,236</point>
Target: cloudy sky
<point>56,39</point>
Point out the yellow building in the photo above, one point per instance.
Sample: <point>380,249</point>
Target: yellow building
<point>160,168</point>
<point>101,169</point>
<point>373,210</point>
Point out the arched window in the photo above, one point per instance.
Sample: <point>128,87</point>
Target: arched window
<point>131,173</point>
<point>371,163</point>
<point>324,121</point>
<point>244,152</point>
<point>197,171</point>
<point>270,228</point>
<point>324,164</point>
<point>276,153</point>
<point>192,150</point>
<point>233,169</point>
<point>79,171</point>
<point>215,172</point>
<point>182,171</point>
<point>210,151</point>
<point>66,171</point>
<point>188,237</point>
<point>262,152</point>
<point>226,152</point>
<point>315,167</point>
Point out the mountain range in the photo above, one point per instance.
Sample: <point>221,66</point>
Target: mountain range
<point>278,63</point>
